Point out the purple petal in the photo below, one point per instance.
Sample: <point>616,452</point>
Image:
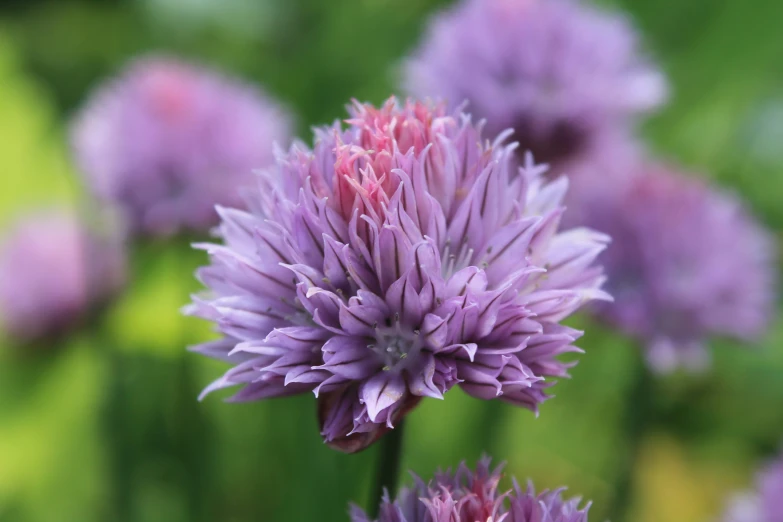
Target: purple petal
<point>381,392</point>
<point>404,302</point>
<point>507,247</point>
<point>350,357</point>
<point>469,278</point>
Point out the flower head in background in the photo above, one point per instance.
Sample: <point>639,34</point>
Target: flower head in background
<point>473,496</point>
<point>686,261</point>
<point>52,271</point>
<point>558,72</point>
<point>400,257</point>
<point>166,141</point>
<point>763,505</point>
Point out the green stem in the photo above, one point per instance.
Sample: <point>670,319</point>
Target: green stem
<point>492,419</point>
<point>192,441</point>
<point>388,470</point>
<point>116,430</point>
<point>638,421</point>
<point>191,437</point>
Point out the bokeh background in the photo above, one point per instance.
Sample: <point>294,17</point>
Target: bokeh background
<point>107,426</point>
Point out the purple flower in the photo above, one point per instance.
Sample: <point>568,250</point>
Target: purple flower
<point>395,260</point>
<point>763,505</point>
<point>166,141</point>
<point>686,261</point>
<point>558,72</point>
<point>468,496</point>
<point>52,271</point>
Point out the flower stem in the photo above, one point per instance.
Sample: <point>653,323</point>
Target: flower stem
<point>638,420</point>
<point>116,430</point>
<point>388,470</point>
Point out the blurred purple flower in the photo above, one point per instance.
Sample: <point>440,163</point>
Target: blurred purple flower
<point>400,257</point>
<point>468,496</point>
<point>686,261</point>
<point>763,505</point>
<point>558,72</point>
<point>166,141</point>
<point>52,271</point>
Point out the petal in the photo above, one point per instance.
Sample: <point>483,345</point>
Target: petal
<point>469,278</point>
<point>391,255</point>
<point>323,305</point>
<point>569,256</point>
<point>478,383</point>
<point>266,389</point>
<point>464,349</point>
<point>517,374</point>
<point>297,337</point>
<point>468,225</point>
<point>424,260</point>
<point>246,326</point>
<point>490,306</point>
<point>333,223</point>
<point>307,237</point>
<point>508,247</point>
<point>335,265</point>
<point>359,272</point>
<point>350,357</point>
<point>219,349</point>
<point>302,375</point>
<point>431,294</point>
<point>435,331</point>
<point>361,320</point>
<point>380,392</point>
<point>335,415</point>
<point>462,325</point>
<point>421,383</point>
<point>306,275</point>
<point>404,302</point>
<point>291,362</point>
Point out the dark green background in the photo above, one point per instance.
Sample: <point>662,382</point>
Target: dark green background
<point>106,426</point>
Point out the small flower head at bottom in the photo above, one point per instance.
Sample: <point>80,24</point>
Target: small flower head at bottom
<point>471,496</point>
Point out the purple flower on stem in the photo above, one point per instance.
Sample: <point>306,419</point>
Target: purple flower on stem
<point>686,261</point>
<point>166,141</point>
<point>52,271</point>
<point>473,496</point>
<point>558,72</point>
<point>400,257</point>
<point>763,505</point>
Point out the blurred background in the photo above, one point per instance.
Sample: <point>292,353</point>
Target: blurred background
<point>107,426</point>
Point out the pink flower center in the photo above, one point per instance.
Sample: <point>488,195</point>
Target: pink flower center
<point>363,169</point>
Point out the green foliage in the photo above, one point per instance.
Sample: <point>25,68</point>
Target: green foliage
<point>107,426</point>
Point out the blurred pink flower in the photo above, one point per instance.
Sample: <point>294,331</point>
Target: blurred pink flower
<point>166,141</point>
<point>53,270</point>
<point>560,73</point>
<point>687,261</point>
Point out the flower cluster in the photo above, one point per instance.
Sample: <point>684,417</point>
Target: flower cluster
<point>561,74</point>
<point>763,505</point>
<point>686,261</point>
<point>400,257</point>
<point>166,141</point>
<point>473,496</point>
<point>52,270</point>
